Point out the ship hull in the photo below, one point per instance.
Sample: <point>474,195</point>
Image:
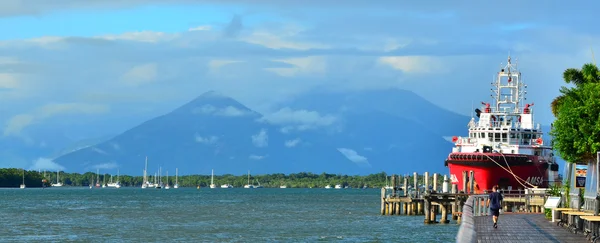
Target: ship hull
<point>499,169</point>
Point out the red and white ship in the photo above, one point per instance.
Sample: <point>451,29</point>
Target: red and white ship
<point>504,147</point>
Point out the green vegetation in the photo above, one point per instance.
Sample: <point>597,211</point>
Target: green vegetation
<point>13,178</point>
<point>576,130</point>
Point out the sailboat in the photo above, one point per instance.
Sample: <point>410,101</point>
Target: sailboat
<point>23,184</point>
<point>167,186</point>
<point>159,185</point>
<point>104,181</point>
<point>97,177</point>
<point>57,181</point>
<point>176,184</point>
<point>146,183</point>
<point>212,180</point>
<point>248,185</point>
<point>387,184</point>
<point>114,184</point>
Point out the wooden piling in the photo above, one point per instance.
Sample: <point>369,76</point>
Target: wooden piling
<point>382,201</point>
<point>464,182</point>
<point>415,184</point>
<point>427,211</point>
<point>435,183</point>
<point>426,180</point>
<point>471,182</point>
<point>444,219</point>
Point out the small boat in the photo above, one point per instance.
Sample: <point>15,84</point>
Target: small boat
<point>167,187</point>
<point>58,184</point>
<point>338,186</point>
<point>212,180</point>
<point>176,184</point>
<point>328,187</point>
<point>226,186</point>
<point>23,184</point>
<point>248,185</point>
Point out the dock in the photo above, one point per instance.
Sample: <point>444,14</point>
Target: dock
<point>512,227</point>
<point>428,200</point>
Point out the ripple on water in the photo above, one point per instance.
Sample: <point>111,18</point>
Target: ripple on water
<point>235,215</point>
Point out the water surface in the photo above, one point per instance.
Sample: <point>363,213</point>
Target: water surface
<point>207,215</point>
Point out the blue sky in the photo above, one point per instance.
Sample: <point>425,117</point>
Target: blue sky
<point>134,59</point>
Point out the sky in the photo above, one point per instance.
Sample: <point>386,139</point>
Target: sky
<point>80,61</point>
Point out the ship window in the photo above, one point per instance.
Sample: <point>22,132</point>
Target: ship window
<point>512,135</point>
<point>504,137</point>
<point>489,137</point>
<point>526,135</point>
<point>533,136</point>
<point>497,137</point>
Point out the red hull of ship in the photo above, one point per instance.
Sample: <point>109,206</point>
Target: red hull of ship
<point>488,173</point>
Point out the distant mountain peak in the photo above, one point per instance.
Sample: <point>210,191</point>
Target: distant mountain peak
<point>212,94</point>
<point>216,103</point>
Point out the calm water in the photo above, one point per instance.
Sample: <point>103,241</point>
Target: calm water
<point>207,215</point>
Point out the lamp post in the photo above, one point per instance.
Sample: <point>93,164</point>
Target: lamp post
<point>597,208</point>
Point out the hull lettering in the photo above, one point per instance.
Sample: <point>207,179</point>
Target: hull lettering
<point>535,180</point>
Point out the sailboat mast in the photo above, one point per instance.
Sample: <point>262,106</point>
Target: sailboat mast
<point>146,171</point>
<point>212,177</point>
<point>176,174</point>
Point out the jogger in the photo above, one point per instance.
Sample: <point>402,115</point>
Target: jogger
<point>494,202</point>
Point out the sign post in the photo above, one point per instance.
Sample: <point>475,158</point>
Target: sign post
<point>552,203</point>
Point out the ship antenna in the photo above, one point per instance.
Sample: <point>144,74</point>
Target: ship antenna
<point>593,59</point>
<point>472,108</point>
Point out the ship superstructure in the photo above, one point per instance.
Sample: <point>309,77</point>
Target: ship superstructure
<point>504,146</point>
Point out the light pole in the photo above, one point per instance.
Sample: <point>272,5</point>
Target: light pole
<point>597,208</point>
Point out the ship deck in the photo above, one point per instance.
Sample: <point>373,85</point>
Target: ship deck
<point>522,228</point>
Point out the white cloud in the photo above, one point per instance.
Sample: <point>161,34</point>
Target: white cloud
<point>261,139</point>
<point>141,36</point>
<point>200,28</point>
<point>46,164</point>
<point>257,157</point>
<point>111,165</point>
<point>9,81</point>
<point>355,157</point>
<point>414,64</point>
<point>140,74</point>
<point>298,119</point>
<point>292,143</point>
<point>214,65</point>
<point>18,122</point>
<point>206,140</point>
<point>229,111</point>
<point>302,65</point>
<point>284,39</point>
<point>100,151</point>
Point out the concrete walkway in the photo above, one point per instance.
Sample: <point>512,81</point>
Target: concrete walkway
<point>523,228</point>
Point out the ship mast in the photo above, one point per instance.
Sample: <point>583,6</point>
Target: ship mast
<point>509,90</point>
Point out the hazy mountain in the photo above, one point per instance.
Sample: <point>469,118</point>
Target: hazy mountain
<point>355,133</point>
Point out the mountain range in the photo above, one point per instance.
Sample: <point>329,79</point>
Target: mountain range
<point>358,132</point>
<point>348,133</point>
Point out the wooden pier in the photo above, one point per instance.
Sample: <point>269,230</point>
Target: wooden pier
<point>512,227</point>
<point>431,201</point>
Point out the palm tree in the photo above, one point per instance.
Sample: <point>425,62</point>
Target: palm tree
<point>589,73</point>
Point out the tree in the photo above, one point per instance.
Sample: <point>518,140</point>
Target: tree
<point>589,73</point>
<point>576,130</point>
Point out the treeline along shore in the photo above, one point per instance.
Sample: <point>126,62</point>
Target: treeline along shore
<point>13,177</point>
